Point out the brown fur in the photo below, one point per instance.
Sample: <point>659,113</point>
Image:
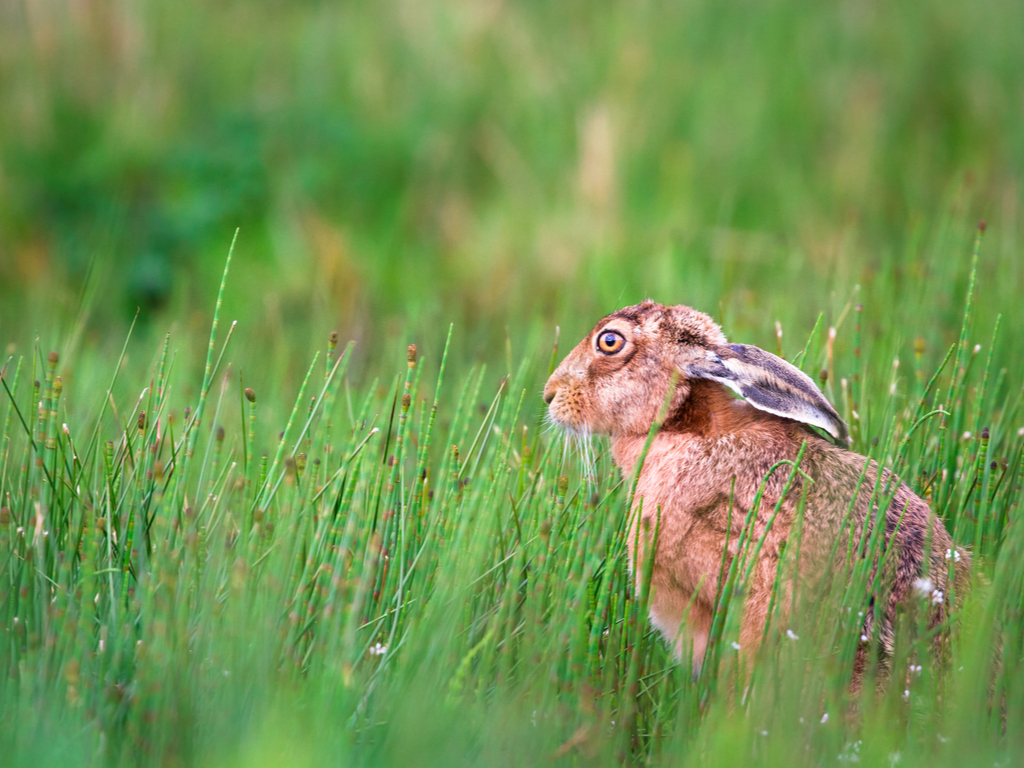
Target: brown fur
<point>710,440</point>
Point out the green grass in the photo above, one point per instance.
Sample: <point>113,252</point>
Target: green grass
<point>211,584</point>
<point>412,570</point>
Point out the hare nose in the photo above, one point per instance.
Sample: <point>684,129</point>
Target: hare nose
<point>549,395</point>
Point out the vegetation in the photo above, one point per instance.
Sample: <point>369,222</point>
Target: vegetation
<point>266,545</point>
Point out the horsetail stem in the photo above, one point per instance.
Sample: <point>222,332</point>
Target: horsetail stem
<point>192,429</point>
<point>958,366</point>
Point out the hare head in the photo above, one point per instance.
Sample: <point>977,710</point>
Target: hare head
<point>615,381</point>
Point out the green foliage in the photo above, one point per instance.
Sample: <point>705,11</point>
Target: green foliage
<point>413,164</point>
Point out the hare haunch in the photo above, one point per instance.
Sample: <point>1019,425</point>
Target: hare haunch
<point>713,450</point>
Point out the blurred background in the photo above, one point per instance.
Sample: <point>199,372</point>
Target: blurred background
<point>401,165</point>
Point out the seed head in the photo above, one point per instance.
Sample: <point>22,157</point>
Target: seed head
<point>250,395</point>
<point>53,357</point>
<point>332,340</point>
<point>411,355</point>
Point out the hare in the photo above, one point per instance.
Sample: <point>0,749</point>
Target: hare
<point>713,451</point>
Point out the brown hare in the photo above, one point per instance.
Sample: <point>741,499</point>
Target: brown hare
<point>713,450</point>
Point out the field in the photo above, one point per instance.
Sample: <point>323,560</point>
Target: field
<point>280,287</point>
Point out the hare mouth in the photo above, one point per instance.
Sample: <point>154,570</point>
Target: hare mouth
<point>567,418</point>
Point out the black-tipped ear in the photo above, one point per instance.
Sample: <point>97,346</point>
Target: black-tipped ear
<point>771,384</point>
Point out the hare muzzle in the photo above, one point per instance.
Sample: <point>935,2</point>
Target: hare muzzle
<point>566,405</point>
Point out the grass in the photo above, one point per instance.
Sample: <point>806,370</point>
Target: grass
<point>246,547</point>
<point>414,570</point>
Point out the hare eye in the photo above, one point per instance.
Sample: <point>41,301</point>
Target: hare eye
<point>610,342</point>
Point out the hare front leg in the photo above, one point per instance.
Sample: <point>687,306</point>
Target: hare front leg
<point>758,601</point>
<point>684,622</point>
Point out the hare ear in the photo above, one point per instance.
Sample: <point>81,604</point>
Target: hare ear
<point>770,384</point>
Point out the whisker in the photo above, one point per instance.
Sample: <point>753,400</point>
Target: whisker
<point>577,440</point>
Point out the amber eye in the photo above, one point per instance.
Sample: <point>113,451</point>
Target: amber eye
<point>610,342</point>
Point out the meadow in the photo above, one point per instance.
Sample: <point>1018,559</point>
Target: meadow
<point>281,286</point>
